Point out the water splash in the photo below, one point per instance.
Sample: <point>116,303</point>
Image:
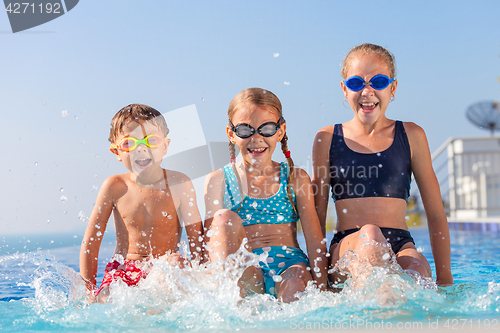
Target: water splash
<point>206,297</point>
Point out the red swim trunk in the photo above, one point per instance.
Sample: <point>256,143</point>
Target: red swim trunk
<point>127,272</point>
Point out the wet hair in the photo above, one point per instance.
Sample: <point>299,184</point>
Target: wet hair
<point>368,48</point>
<point>263,98</point>
<point>139,113</point>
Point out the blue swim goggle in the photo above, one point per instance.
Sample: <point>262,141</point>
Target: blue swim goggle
<point>378,82</point>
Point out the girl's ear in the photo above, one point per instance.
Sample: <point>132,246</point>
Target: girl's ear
<point>394,85</point>
<point>281,132</point>
<point>344,88</point>
<point>230,134</point>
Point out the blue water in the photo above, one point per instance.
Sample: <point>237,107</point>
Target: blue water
<point>40,290</point>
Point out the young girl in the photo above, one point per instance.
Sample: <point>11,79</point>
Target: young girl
<point>367,162</point>
<point>262,200</point>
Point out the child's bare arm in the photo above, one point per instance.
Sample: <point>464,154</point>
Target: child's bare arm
<point>191,216</point>
<point>316,247</point>
<point>321,175</point>
<point>213,196</point>
<point>89,251</point>
<point>428,185</point>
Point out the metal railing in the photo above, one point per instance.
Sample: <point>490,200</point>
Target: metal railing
<point>468,172</point>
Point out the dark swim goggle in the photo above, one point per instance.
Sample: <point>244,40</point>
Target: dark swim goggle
<point>378,82</point>
<point>245,131</point>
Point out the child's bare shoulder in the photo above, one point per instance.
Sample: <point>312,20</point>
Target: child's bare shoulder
<point>215,176</point>
<point>113,185</point>
<point>415,133</point>
<point>301,177</point>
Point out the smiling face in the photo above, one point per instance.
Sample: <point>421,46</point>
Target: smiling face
<point>256,150</point>
<point>368,104</point>
<point>142,158</point>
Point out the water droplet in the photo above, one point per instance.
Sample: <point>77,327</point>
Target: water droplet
<point>61,189</point>
<point>378,154</point>
<point>380,165</point>
<point>64,113</point>
<point>407,217</point>
<point>210,233</point>
<point>286,83</point>
<point>318,250</point>
<point>386,256</point>
<point>64,198</point>
<point>276,55</point>
<point>36,163</point>
<point>99,234</point>
<point>281,217</point>
<point>164,214</point>
<point>51,242</point>
<point>144,234</point>
<point>191,204</point>
<point>48,221</point>
<point>277,278</point>
<point>344,211</point>
<point>316,269</point>
<point>216,202</point>
<point>362,236</point>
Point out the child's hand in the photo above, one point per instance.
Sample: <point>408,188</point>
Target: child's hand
<point>177,259</point>
<point>90,289</point>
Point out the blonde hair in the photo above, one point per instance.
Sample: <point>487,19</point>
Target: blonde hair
<point>260,97</point>
<point>368,48</point>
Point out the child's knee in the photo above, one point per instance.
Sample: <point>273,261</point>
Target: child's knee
<point>225,221</point>
<point>370,232</point>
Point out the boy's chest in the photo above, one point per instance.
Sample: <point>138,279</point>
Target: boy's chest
<point>151,204</point>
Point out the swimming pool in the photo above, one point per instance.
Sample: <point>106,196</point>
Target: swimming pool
<point>40,291</point>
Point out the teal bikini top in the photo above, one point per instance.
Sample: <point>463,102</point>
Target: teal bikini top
<point>275,209</point>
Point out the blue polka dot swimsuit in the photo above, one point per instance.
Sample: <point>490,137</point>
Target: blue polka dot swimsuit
<point>275,209</point>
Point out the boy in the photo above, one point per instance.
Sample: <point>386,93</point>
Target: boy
<point>144,203</point>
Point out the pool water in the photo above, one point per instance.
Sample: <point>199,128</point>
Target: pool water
<point>41,290</point>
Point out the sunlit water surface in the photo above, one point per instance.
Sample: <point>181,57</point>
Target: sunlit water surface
<point>40,290</point>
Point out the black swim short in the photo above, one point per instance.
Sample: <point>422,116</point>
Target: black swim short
<point>396,237</point>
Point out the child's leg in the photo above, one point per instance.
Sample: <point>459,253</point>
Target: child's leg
<point>228,233</point>
<point>251,282</point>
<point>226,239</point>
<point>103,294</point>
<point>409,258</point>
<point>357,242</point>
<point>294,280</point>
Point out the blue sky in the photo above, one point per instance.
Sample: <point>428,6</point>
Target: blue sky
<point>104,55</point>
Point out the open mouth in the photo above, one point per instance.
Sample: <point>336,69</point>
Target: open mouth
<point>256,151</point>
<point>368,106</point>
<point>143,162</point>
